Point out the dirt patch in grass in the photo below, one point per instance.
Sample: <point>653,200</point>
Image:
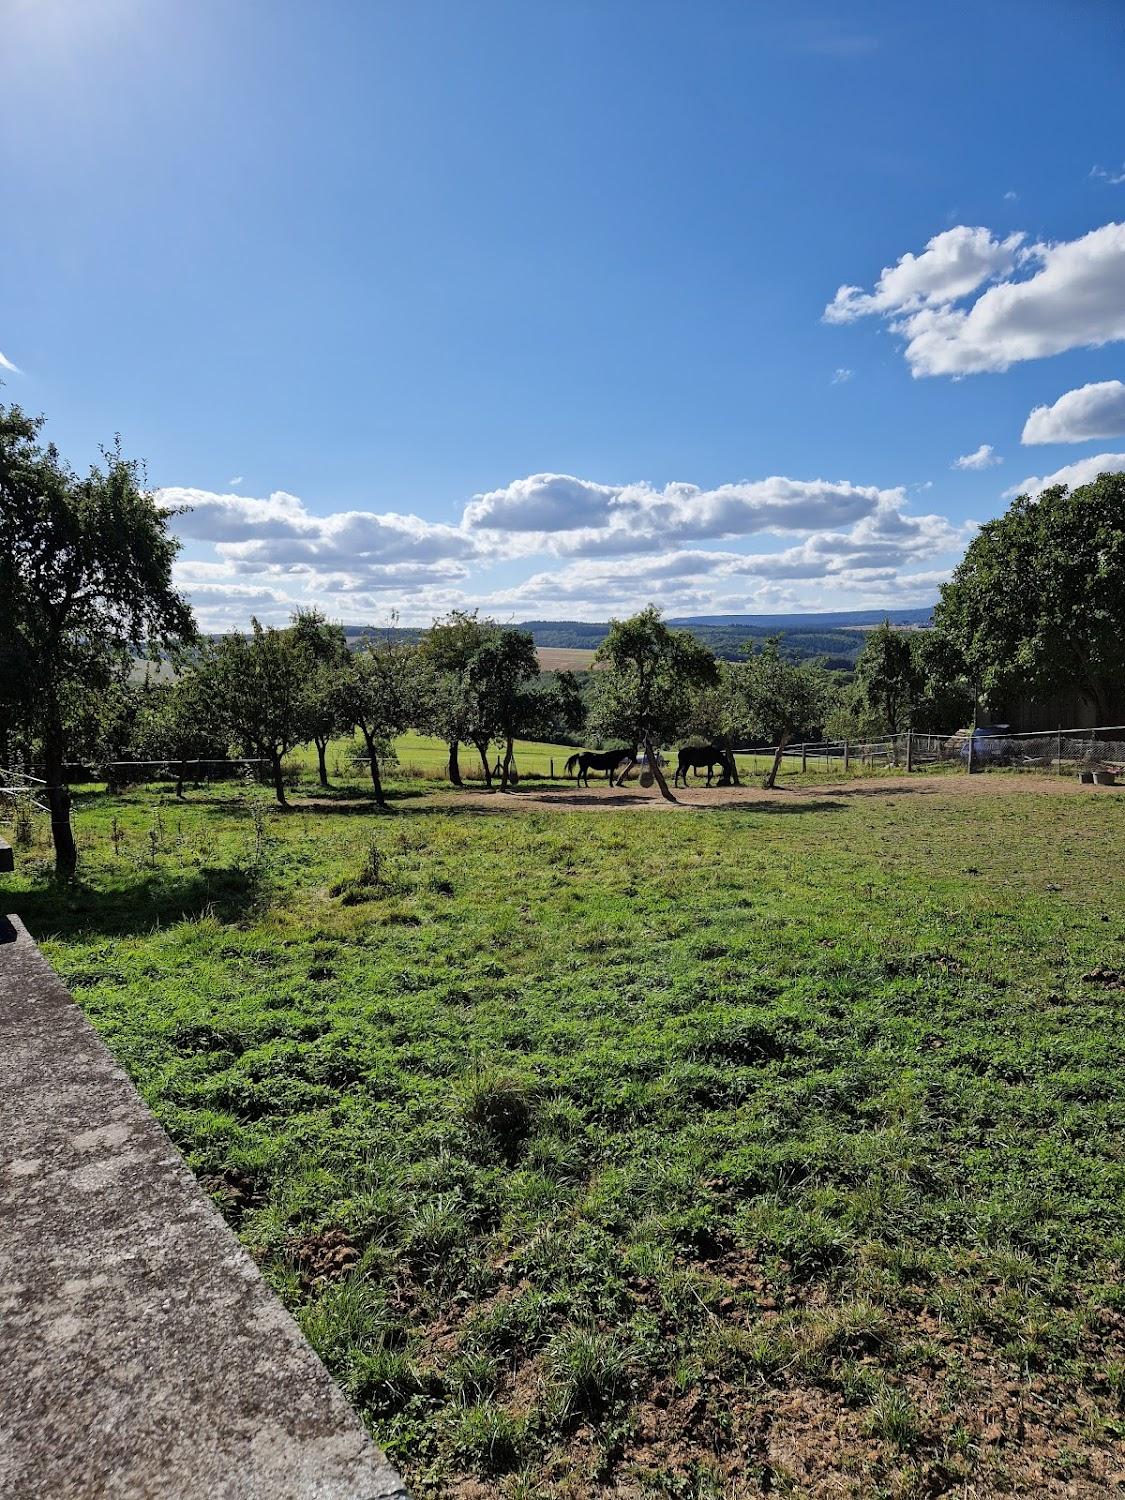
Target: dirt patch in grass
<point>750,798</point>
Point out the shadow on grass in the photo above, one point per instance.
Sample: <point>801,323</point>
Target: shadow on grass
<point>538,799</point>
<point>154,900</point>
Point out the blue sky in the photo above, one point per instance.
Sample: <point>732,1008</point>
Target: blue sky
<point>337,272</point>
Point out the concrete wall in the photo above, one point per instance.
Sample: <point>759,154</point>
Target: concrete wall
<point>142,1357</point>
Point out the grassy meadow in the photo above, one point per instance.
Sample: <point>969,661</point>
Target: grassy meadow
<point>775,1149</point>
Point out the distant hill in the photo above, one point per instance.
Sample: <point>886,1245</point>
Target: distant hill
<point>836,637</point>
<point>844,618</point>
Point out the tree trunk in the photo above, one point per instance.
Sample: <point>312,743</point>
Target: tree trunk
<point>58,799</point>
<point>772,777</point>
<point>1099,701</point>
<point>373,764</point>
<point>321,768</point>
<point>654,766</point>
<point>732,769</point>
<point>278,782</point>
<point>455,764</point>
<point>482,751</point>
<point>506,767</point>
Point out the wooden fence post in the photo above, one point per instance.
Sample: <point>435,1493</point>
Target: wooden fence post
<point>804,757</point>
<point>910,749</point>
<point>1058,748</point>
<point>847,755</point>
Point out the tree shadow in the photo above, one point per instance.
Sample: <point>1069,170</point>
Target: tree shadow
<point>568,799</point>
<point>70,909</point>
<point>353,803</point>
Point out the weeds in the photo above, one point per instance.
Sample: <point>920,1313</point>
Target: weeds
<point>589,1371</point>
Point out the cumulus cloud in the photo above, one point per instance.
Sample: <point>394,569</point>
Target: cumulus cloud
<point>569,516</point>
<point>953,264</point>
<point>877,554</point>
<point>6,364</point>
<point>1081,472</point>
<point>281,532</point>
<point>983,457</point>
<point>1074,298</point>
<point>235,482</point>
<point>614,545</point>
<point>1091,411</point>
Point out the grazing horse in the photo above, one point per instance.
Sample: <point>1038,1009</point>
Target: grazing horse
<point>600,760</point>
<point>695,757</point>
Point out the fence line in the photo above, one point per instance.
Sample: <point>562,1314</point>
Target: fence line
<point>1088,748</point>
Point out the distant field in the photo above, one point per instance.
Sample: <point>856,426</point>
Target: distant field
<point>565,658</point>
<point>616,1155</point>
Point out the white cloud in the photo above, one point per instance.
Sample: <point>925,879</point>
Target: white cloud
<point>6,364</point>
<point>1091,411</point>
<point>237,480</point>
<point>1074,299</point>
<point>616,545</point>
<point>577,517</point>
<point>1081,472</point>
<point>1010,196</point>
<point>952,265</point>
<point>878,555</point>
<point>982,458</point>
<point>842,375</point>
<point>1115,176</point>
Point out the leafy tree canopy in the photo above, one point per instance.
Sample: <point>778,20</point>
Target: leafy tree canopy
<point>645,695</point>
<point>1037,604</point>
<point>85,580</point>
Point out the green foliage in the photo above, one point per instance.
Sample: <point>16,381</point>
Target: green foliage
<point>645,695</point>
<point>383,689</point>
<point>86,582</point>
<point>1037,604</point>
<point>772,699</point>
<point>256,685</point>
<point>888,677</point>
<point>590,1372</point>
<point>488,1439</point>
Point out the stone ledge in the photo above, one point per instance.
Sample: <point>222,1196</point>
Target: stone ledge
<point>142,1356</point>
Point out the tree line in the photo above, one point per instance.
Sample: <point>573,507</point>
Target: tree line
<point>1037,604</point>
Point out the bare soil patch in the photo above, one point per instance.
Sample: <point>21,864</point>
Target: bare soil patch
<point>634,798</point>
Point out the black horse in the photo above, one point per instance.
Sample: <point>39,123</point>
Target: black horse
<point>695,757</point>
<point>600,760</point>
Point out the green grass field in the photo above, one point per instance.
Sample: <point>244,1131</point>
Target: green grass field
<point>710,1154</point>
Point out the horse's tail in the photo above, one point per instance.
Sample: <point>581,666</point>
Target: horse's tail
<point>570,765</point>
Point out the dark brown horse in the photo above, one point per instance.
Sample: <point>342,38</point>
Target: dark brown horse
<point>600,760</point>
<point>695,757</point>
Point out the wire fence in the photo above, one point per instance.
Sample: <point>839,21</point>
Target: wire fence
<point>1098,752</point>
